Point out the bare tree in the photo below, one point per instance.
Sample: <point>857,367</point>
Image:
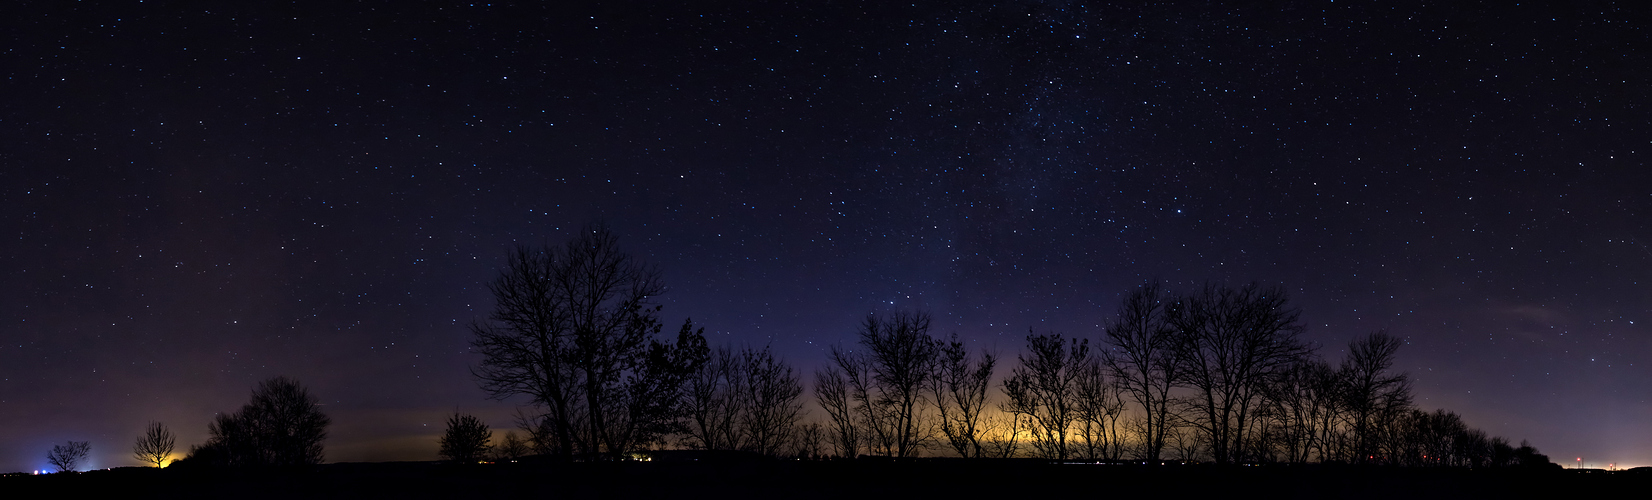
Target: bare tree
<point>1231,342</point>
<point>281,426</point>
<point>773,390</point>
<point>743,400</point>
<point>575,329</point>
<point>1143,361</point>
<point>511,448</point>
<point>466,439</point>
<point>1439,433</point>
<point>959,389</point>
<point>806,441</point>
<point>1471,448</point>
<point>527,347</point>
<point>1004,432</point>
<point>1044,388</point>
<point>1326,387</point>
<point>155,445</point>
<point>1187,443</point>
<point>542,437</point>
<point>67,457</point>
<point>1441,429</point>
<point>1098,404</point>
<point>715,403</point>
<point>885,382</point>
<point>870,409</point>
<point>1303,402</point>
<point>834,395</point>
<point>1372,393</point>
<point>1264,442</point>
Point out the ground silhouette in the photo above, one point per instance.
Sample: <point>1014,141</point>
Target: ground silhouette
<point>860,479</point>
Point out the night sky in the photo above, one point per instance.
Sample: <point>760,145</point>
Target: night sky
<point>195,199</point>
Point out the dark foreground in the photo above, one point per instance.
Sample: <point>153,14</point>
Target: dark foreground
<point>856,480</point>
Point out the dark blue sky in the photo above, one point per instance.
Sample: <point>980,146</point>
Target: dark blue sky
<point>197,199</point>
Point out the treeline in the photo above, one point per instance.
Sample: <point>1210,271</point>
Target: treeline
<point>1215,374</point>
<point>281,426</point>
<point>1218,374</point>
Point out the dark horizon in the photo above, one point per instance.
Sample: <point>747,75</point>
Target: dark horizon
<point>197,200</point>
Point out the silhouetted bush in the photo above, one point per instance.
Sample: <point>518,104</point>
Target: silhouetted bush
<point>466,440</point>
<point>281,426</point>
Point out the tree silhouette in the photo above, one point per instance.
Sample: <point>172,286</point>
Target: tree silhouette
<point>1004,432</point>
<point>529,348</point>
<point>466,439</point>
<point>541,438</point>
<point>1044,387</point>
<point>281,426</point>
<point>1231,342</point>
<point>833,393</point>
<point>1362,413</point>
<point>575,329</point>
<point>885,382</point>
<point>773,409</point>
<point>1372,395</point>
<point>155,445</point>
<point>1434,433</point>
<point>67,457</point>
<point>1143,361</point>
<point>651,395</point>
<point>716,399</point>
<point>807,439</point>
<point>510,448</point>
<point>746,400</point>
<point>1304,404</point>
<point>1098,403</point>
<point>1186,443</point>
<point>1527,456</point>
<point>958,388</point>
<point>1219,374</point>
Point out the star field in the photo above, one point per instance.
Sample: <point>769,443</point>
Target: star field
<point>196,199</point>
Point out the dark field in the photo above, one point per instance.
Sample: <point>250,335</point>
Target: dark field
<point>927,479</point>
